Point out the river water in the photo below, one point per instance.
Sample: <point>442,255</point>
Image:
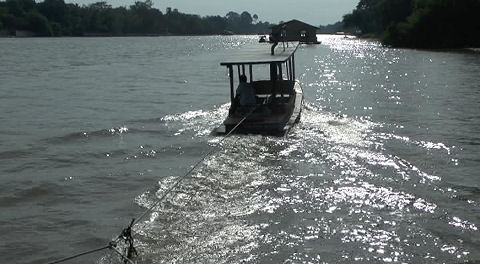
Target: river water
<point>383,167</point>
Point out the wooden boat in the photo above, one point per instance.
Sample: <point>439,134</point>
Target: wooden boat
<point>279,97</point>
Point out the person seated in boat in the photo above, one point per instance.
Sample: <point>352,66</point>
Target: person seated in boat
<point>245,93</point>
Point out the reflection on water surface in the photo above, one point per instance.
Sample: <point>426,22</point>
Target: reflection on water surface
<point>381,168</point>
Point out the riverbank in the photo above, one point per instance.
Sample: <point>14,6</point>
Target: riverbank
<point>124,36</point>
<point>420,24</point>
<point>58,18</point>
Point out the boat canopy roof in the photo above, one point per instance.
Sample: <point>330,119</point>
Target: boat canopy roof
<point>260,54</point>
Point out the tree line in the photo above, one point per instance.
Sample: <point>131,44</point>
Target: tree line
<point>57,18</point>
<point>418,23</point>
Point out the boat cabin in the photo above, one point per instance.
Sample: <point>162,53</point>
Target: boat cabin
<point>278,96</point>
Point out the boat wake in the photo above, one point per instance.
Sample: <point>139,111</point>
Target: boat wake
<point>295,198</point>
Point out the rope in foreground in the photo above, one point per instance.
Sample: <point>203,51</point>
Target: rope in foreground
<point>126,234</point>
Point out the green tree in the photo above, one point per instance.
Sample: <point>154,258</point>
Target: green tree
<point>245,22</point>
<point>375,16</point>
<point>54,10</point>
<point>20,7</point>
<point>3,12</point>
<point>38,23</point>
<point>438,24</point>
<point>100,18</point>
<point>233,19</point>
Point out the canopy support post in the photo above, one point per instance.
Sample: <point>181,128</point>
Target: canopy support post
<point>280,78</point>
<point>280,74</point>
<point>230,73</point>
<point>291,69</point>
<point>273,80</point>
<point>251,72</point>
<point>287,68</point>
<point>293,64</point>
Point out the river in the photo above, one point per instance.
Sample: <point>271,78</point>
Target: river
<point>382,168</point>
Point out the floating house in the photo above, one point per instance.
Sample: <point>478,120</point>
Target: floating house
<point>295,30</point>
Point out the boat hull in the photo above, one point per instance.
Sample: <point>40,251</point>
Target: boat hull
<point>274,118</point>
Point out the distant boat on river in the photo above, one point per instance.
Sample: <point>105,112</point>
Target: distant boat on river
<point>227,33</point>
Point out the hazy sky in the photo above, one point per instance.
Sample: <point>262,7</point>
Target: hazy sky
<point>316,12</point>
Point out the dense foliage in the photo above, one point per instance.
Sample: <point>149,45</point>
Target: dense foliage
<point>56,18</point>
<point>374,16</point>
<point>331,28</point>
<point>419,23</point>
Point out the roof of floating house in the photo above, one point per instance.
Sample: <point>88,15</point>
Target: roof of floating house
<point>294,21</point>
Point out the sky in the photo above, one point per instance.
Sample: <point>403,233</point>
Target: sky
<point>315,12</point>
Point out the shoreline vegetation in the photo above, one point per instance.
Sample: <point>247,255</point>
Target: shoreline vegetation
<point>55,18</point>
<point>426,24</point>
